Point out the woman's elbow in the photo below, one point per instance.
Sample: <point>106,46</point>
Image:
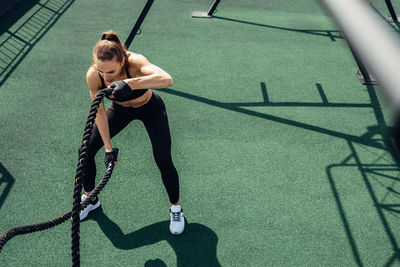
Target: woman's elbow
<point>169,81</point>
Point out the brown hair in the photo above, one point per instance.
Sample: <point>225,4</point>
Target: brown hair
<point>108,47</point>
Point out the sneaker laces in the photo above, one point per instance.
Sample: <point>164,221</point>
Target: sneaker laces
<point>176,216</point>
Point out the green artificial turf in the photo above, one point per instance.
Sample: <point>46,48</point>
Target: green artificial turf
<point>278,146</point>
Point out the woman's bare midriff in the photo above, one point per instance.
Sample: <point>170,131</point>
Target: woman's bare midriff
<point>137,102</point>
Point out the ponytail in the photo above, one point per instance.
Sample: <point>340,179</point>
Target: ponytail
<point>108,47</point>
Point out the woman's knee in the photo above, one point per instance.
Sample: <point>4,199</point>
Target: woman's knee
<point>163,161</point>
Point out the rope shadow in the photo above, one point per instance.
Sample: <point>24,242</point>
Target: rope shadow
<point>7,179</point>
<point>323,33</point>
<point>196,246</point>
<point>16,44</point>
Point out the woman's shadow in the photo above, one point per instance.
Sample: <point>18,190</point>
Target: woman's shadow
<point>196,246</point>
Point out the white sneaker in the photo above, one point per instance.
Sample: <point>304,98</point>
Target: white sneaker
<point>177,224</point>
<point>92,206</point>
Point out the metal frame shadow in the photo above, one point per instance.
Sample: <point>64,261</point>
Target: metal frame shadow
<point>16,44</point>
<point>385,144</point>
<point>240,108</point>
<point>323,33</point>
<point>365,170</point>
<point>9,180</point>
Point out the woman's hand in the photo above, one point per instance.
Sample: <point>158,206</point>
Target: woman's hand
<point>121,90</point>
<point>111,157</point>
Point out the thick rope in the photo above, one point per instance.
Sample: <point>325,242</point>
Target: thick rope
<point>79,176</point>
<point>77,205</point>
<point>20,230</point>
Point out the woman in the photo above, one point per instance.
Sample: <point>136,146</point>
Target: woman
<point>130,75</point>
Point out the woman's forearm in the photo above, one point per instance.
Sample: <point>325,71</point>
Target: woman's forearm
<point>154,81</point>
<point>102,126</point>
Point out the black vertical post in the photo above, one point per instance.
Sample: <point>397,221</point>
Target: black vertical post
<point>209,13</point>
<point>391,10</point>
<point>364,77</point>
<point>213,7</point>
<point>138,23</point>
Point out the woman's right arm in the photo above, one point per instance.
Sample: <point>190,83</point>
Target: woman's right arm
<point>93,82</point>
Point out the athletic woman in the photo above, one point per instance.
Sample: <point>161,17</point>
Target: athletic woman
<point>131,76</point>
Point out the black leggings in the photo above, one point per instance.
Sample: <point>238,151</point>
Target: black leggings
<point>154,117</point>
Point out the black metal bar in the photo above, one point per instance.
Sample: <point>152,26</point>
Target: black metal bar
<point>391,10</point>
<point>138,23</point>
<point>209,13</point>
<point>366,79</point>
<point>213,7</point>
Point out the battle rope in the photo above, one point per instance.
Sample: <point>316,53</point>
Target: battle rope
<point>77,205</point>
<point>20,230</point>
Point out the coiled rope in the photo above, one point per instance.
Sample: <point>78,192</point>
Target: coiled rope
<point>77,205</point>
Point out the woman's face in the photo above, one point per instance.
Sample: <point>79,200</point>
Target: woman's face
<point>110,70</point>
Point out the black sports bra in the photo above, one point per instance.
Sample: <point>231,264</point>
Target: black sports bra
<point>135,93</point>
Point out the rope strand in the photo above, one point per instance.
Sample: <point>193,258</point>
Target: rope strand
<point>77,205</point>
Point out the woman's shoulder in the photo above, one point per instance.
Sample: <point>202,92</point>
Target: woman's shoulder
<point>136,61</point>
<point>92,77</point>
<point>92,73</point>
<point>132,56</point>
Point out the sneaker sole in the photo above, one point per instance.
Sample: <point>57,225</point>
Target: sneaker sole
<point>94,207</point>
<point>176,233</point>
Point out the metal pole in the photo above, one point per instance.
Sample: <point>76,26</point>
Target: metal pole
<point>138,23</point>
<point>209,13</point>
<point>376,44</point>
<point>391,11</point>
<point>213,7</point>
<point>364,76</point>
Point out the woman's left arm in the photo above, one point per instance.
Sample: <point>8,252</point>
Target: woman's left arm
<point>152,76</point>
